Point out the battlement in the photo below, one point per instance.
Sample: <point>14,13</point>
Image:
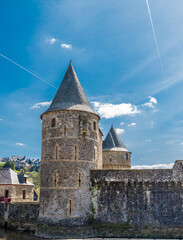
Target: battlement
<point>142,175</point>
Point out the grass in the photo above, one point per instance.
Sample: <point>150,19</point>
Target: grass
<point>2,164</point>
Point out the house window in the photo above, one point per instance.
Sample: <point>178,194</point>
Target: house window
<point>53,122</point>
<point>6,193</point>
<point>126,155</point>
<point>24,194</point>
<point>94,126</point>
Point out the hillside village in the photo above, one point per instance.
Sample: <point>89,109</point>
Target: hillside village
<point>22,162</point>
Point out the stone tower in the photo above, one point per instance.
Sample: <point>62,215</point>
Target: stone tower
<point>115,154</point>
<point>71,147</point>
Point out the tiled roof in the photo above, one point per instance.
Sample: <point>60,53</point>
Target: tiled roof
<point>70,94</point>
<point>8,176</point>
<point>113,142</point>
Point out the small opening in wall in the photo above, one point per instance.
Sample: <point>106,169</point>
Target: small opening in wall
<point>75,152</point>
<point>56,152</point>
<point>53,122</point>
<point>94,126</point>
<point>110,160</point>
<point>65,130</point>
<point>24,194</point>
<point>79,179</point>
<point>126,155</point>
<point>70,207</point>
<point>94,154</point>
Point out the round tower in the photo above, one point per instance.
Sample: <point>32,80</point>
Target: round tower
<point>71,147</point>
<point>115,154</point>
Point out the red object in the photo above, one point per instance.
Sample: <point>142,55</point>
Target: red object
<point>8,199</point>
<point>3,199</point>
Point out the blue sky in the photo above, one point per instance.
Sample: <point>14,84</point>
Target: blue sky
<point>114,54</point>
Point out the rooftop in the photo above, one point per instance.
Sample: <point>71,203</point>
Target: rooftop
<point>113,142</point>
<point>8,176</point>
<point>70,95</point>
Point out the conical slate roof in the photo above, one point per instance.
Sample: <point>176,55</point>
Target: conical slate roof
<point>112,142</point>
<point>70,94</point>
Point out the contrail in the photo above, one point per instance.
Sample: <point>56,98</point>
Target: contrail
<point>35,75</point>
<point>155,39</point>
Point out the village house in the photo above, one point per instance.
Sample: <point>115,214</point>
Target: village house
<point>15,187</point>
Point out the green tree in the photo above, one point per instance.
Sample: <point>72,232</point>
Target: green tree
<point>9,164</point>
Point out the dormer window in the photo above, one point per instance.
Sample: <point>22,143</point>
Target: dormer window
<point>53,122</point>
<point>25,180</point>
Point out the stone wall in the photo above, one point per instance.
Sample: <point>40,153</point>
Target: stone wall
<point>139,197</point>
<point>16,192</point>
<point>116,160</point>
<point>70,149</point>
<point>19,215</point>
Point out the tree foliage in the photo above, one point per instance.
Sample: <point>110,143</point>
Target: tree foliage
<point>9,164</point>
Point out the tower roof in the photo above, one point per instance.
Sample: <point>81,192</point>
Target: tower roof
<point>70,94</point>
<point>113,142</point>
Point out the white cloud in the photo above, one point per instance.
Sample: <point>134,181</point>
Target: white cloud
<point>156,166</point>
<point>19,114</point>
<point>148,140</point>
<point>120,130</point>
<point>108,110</point>
<point>1,119</point>
<point>51,40</point>
<point>20,144</point>
<point>132,124</point>
<point>122,123</point>
<point>151,103</point>
<point>181,143</point>
<point>41,104</point>
<point>67,46</point>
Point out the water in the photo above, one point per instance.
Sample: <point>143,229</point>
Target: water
<point>15,235</point>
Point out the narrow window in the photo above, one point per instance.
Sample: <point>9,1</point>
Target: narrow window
<point>55,152</point>
<point>126,156</point>
<point>6,193</point>
<point>110,160</point>
<point>79,179</point>
<point>94,153</point>
<point>65,130</point>
<point>24,194</point>
<point>53,122</point>
<point>70,207</point>
<point>94,126</point>
<point>75,152</point>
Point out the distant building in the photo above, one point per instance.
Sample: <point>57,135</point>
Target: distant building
<point>15,187</point>
<point>115,154</point>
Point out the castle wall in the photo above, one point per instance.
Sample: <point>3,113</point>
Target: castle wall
<point>139,197</point>
<point>69,151</point>
<point>116,160</point>
<point>19,215</point>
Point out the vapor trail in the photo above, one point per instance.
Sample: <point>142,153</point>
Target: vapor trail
<point>35,75</point>
<point>155,39</point>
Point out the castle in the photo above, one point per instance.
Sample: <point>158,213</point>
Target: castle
<point>83,177</point>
